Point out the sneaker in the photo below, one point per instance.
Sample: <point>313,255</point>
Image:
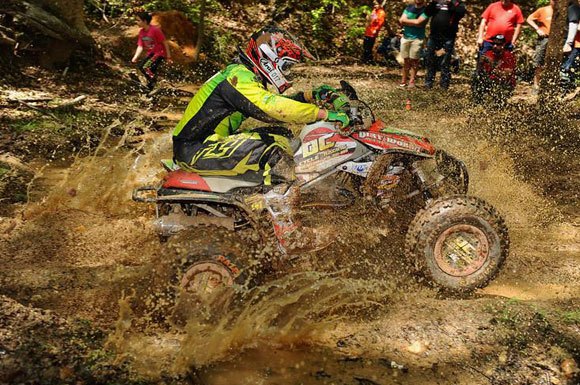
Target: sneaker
<point>402,85</point>
<point>411,84</point>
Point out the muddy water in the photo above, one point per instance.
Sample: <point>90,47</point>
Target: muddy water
<point>361,319</point>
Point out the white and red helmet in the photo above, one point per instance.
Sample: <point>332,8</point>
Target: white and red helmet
<point>273,51</point>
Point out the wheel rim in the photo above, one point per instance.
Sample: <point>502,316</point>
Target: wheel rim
<point>205,277</point>
<point>461,250</point>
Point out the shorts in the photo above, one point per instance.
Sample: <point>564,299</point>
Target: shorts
<point>411,48</point>
<point>540,53</point>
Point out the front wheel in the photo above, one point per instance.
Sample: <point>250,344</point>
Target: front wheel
<point>459,243</point>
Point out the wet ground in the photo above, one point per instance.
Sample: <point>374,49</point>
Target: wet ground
<point>361,317</point>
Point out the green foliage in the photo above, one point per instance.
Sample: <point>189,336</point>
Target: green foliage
<point>24,126</point>
<point>542,3</point>
<point>4,171</point>
<point>572,317</point>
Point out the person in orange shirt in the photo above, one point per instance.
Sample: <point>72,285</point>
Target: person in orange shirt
<point>375,21</point>
<point>541,20</point>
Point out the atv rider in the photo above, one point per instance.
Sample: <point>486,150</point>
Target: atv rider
<point>208,140</point>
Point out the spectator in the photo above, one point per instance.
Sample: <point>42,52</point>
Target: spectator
<point>375,21</point>
<point>572,47</point>
<point>500,18</point>
<point>541,20</point>
<point>413,21</point>
<point>390,48</point>
<point>445,16</point>
<point>151,39</point>
<point>496,74</point>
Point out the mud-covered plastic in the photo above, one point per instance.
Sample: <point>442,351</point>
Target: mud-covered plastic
<point>147,194</point>
<point>454,170</point>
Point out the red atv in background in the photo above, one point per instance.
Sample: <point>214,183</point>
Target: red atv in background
<point>458,242</point>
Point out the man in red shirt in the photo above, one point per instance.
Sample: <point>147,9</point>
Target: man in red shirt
<point>376,20</point>
<point>151,39</point>
<point>500,18</point>
<point>496,75</point>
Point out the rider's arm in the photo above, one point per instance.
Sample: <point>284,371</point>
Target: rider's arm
<point>243,91</point>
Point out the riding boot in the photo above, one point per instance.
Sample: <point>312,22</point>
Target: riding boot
<point>292,237</point>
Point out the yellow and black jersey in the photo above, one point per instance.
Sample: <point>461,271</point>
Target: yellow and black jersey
<point>230,96</point>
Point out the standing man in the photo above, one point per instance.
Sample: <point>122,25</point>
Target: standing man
<point>541,20</point>
<point>151,39</point>
<point>445,16</point>
<point>375,21</point>
<point>572,47</point>
<point>500,18</point>
<point>413,21</point>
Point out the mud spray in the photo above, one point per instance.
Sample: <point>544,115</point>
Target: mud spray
<point>363,301</point>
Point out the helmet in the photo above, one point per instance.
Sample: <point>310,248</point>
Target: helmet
<point>273,51</point>
<point>498,39</point>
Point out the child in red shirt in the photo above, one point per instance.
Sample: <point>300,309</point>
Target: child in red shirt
<point>151,39</point>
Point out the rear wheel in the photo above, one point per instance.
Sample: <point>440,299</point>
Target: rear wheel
<point>459,243</point>
<point>198,271</point>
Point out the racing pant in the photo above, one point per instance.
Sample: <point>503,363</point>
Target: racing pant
<point>149,67</point>
<point>256,154</point>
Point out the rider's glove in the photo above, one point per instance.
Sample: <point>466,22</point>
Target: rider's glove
<point>328,97</point>
<point>321,94</point>
<point>341,122</point>
<point>339,102</point>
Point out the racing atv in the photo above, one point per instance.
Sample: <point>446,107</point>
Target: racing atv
<point>458,242</point>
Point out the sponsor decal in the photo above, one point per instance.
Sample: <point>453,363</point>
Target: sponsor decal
<point>385,140</point>
<point>272,72</point>
<point>315,146</point>
<point>361,168</point>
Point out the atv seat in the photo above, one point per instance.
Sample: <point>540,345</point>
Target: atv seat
<point>184,180</point>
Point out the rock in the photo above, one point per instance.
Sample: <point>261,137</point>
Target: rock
<point>418,347</point>
<point>569,368</point>
<point>503,357</point>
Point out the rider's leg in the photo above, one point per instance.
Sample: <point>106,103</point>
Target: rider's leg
<point>283,203</point>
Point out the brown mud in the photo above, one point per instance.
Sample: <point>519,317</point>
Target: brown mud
<point>356,313</point>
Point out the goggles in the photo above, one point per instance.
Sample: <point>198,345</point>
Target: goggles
<point>284,64</point>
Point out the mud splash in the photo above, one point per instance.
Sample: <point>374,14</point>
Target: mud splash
<point>293,312</point>
<point>342,324</point>
<point>103,181</point>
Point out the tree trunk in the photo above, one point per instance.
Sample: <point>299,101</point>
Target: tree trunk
<point>200,31</point>
<point>550,81</point>
<point>45,31</point>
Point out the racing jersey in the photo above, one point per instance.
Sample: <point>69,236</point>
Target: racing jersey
<point>230,96</point>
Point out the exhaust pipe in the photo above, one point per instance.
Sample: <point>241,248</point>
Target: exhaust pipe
<point>173,223</point>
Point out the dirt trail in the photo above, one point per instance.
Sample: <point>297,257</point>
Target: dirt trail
<point>362,319</point>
